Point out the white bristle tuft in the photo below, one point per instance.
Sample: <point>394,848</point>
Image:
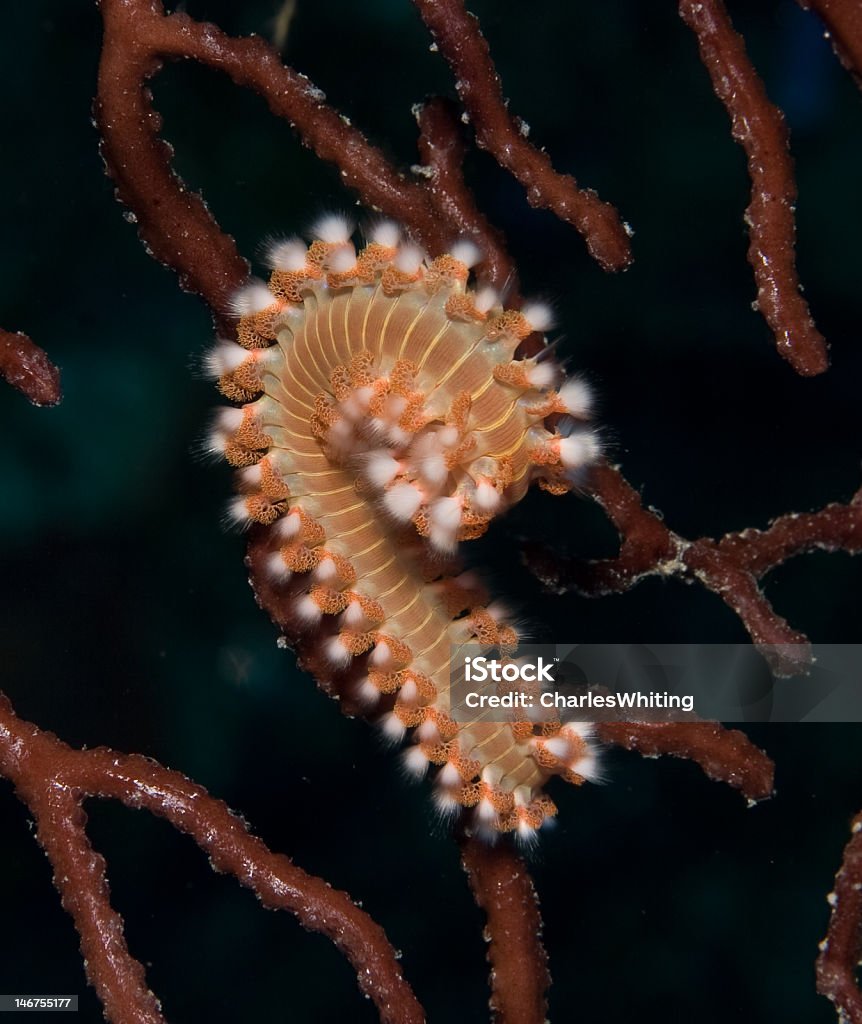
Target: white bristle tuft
<point>577,397</point>
<point>353,615</point>
<point>523,795</point>
<point>539,316</point>
<point>276,569</point>
<point>491,774</point>
<point>557,746</point>
<point>402,501</point>
<point>445,513</point>
<point>578,449</point>
<point>216,443</point>
<point>381,468</point>
<point>446,804</point>
<point>427,731</point>
<point>238,512</point>
<point>226,356</point>
<point>252,298</point>
<point>325,570</point>
<point>393,728</point>
<point>386,233</point>
<point>290,525</point>
<point>585,730</point>
<point>433,470</point>
<point>486,299</point>
<point>381,655</point>
<point>398,437</point>
<point>527,835</point>
<point>334,229</point>
<point>289,254</point>
<point>449,775</point>
<point>308,610</point>
<point>486,497</point>
<point>466,252</point>
<point>251,475</point>
<point>415,762</point>
<point>409,692</point>
<point>355,406</point>
<point>409,259</point>
<point>448,436</point>
<point>499,612</point>
<point>588,766</point>
<point>541,375</point>
<point>341,260</point>
<point>367,693</point>
<point>230,418</point>
<point>337,653</point>
<point>342,437</point>
<point>485,812</point>
<point>443,541</point>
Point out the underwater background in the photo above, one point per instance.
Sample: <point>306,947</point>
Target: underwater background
<point>125,615</point>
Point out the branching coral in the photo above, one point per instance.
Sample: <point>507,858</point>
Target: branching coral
<point>179,231</point>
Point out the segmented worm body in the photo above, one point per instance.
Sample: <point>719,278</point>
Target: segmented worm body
<point>382,419</point>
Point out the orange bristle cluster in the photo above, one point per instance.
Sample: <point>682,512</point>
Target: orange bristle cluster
<point>385,419</point>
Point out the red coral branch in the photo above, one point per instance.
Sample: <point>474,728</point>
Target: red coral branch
<point>441,149</point>
<point>502,887</point>
<point>174,223</point>
<point>179,230</point>
<point>841,950</point>
<point>459,39</point>
<point>725,755</point>
<point>27,367</point>
<point>759,128</point>
<point>53,779</point>
<point>843,20</point>
<point>729,568</point>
